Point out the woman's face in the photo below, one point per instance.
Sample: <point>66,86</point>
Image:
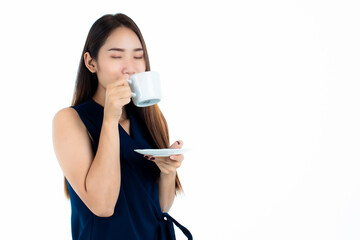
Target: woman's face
<point>121,54</point>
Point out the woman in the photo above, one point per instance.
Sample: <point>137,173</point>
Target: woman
<point>115,193</point>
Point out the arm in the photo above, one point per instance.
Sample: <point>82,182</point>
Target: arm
<point>96,179</point>
<point>103,179</point>
<point>168,166</point>
<point>166,191</point>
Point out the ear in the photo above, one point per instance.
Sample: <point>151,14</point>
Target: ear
<point>90,62</point>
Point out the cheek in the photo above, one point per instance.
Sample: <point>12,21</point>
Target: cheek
<point>108,72</point>
<point>140,66</point>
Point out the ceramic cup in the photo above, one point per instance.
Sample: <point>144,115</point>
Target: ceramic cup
<point>145,88</point>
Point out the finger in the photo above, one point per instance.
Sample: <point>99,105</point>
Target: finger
<point>177,144</point>
<point>178,157</point>
<point>169,163</point>
<point>119,82</point>
<point>120,92</point>
<point>150,157</point>
<point>125,92</point>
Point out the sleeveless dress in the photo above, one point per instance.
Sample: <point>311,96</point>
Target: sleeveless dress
<point>137,214</point>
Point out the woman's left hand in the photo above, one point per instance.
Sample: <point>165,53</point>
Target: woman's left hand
<point>168,165</point>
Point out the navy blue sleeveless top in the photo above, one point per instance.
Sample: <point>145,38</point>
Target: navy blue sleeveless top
<point>137,214</point>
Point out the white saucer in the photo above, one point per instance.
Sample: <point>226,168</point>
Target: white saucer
<point>165,152</point>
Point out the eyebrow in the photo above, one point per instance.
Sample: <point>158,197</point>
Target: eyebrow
<point>123,50</point>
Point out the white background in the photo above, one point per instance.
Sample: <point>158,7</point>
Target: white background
<point>266,93</point>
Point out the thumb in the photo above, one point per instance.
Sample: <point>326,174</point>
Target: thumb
<point>177,144</point>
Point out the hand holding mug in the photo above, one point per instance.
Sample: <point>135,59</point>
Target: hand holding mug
<point>117,95</point>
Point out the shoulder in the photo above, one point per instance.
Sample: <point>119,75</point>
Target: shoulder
<point>70,136</point>
<point>67,117</point>
<point>66,114</point>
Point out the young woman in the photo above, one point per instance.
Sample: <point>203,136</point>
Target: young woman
<point>115,193</point>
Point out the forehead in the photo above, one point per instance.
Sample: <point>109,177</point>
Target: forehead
<point>123,37</point>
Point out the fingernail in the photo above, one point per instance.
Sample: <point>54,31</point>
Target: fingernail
<point>172,157</point>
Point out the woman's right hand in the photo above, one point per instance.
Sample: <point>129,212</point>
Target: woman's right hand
<point>117,95</point>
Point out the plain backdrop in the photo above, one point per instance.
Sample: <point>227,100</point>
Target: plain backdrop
<point>265,93</point>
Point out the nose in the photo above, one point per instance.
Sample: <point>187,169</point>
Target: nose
<point>128,68</point>
<point>129,72</point>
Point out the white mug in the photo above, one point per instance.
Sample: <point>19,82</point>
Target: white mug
<point>145,88</point>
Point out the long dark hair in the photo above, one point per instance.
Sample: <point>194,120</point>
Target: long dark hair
<point>87,82</point>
